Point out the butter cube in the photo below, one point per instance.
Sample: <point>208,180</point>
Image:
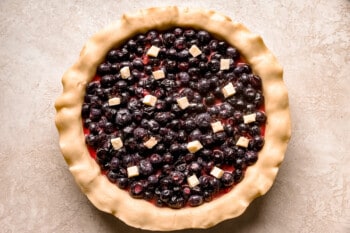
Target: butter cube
<point>225,64</point>
<point>117,143</point>
<point>159,74</point>
<point>183,102</point>
<point>217,126</point>
<point>125,72</point>
<point>195,51</point>
<point>192,181</point>
<point>249,118</point>
<point>149,100</point>
<point>228,90</point>
<point>133,171</point>
<point>243,142</point>
<point>194,146</point>
<point>150,143</point>
<point>114,101</point>
<point>216,172</point>
<point>153,51</point>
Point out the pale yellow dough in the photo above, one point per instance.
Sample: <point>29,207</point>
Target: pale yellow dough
<point>140,213</point>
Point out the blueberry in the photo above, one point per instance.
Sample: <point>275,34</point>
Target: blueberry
<point>193,62</point>
<point>156,42</point>
<point>168,39</point>
<point>94,128</point>
<point>109,127</point>
<point>152,180</point>
<point>175,108</point>
<point>243,128</point>
<point>210,99</point>
<point>178,32</point>
<point>196,134</point>
<point>131,45</point>
<point>249,94</point>
<point>177,177</point>
<point>222,46</point>
<point>167,168</point>
<point>180,43</point>
<point>193,71</point>
<point>163,117</point>
<point>156,159</point>
<point>207,196</point>
<point>232,53</point>
<point>95,114</point>
<point>114,163</point>
<point>237,175</point>
<point>184,78</point>
<point>251,157</point>
<point>227,179</point>
<point>217,156</point>
<point>206,153</point>
<point>207,140</point>
<point>107,81</point>
<point>189,125</point>
<point>122,84</point>
<point>214,111</point>
<point>123,182</point>
<point>220,137</point>
<point>254,130</point>
<point>260,117</point>
<point>168,158</point>
<point>166,195</point>
<point>259,100</point>
<point>176,202</point>
<point>145,168</point>
<point>175,149</point>
<point>160,148</point>
<point>123,117</point>
<point>104,68</point>
<point>131,144</point>
<point>203,120</point>
<point>239,163</point>
<point>137,189</point>
<point>195,168</point>
<point>238,116</point>
<point>256,143</point>
<point>137,115</point>
<point>183,55</point>
<point>203,37</point>
<point>214,184</point>
<point>195,200</point>
<point>189,34</point>
<point>153,125</point>
<point>203,67</point>
<point>203,85</point>
<point>127,161</point>
<point>255,81</point>
<point>216,56</point>
<point>228,154</point>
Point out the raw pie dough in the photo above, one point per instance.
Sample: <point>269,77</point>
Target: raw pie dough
<point>105,195</point>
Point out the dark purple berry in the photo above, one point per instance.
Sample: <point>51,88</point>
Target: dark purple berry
<point>251,157</point>
<point>195,200</point>
<point>137,189</point>
<point>227,179</point>
<point>145,168</point>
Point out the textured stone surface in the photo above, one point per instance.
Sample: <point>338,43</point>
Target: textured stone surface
<point>39,40</point>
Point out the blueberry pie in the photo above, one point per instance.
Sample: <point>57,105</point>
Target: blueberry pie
<point>174,118</point>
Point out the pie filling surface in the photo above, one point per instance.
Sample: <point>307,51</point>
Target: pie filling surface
<point>174,117</point>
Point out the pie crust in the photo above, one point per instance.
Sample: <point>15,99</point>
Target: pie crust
<point>105,195</point>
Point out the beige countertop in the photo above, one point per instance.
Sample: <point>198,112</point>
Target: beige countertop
<point>39,40</point>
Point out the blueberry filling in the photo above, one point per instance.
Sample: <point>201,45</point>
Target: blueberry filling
<point>174,117</point>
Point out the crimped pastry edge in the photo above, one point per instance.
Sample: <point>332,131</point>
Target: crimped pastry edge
<point>142,214</point>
